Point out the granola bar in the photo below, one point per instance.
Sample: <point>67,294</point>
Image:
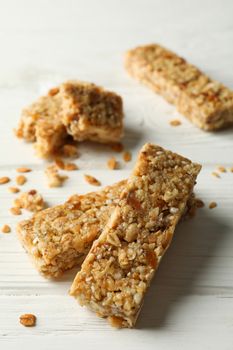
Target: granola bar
<point>206,102</point>
<point>58,238</point>
<point>41,123</point>
<point>122,261</point>
<point>91,113</point>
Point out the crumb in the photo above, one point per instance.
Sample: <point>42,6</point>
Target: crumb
<point>212,205</point>
<point>59,163</point>
<point>71,166</point>
<point>117,147</point>
<point>222,169</point>
<point>199,203</point>
<point>15,211</point>
<point>92,180</point>
<point>70,151</point>
<point>28,320</point>
<point>13,189</point>
<point>4,180</point>
<point>116,322</point>
<point>53,91</point>
<point>112,163</point>
<point>23,170</point>
<point>31,201</point>
<point>215,174</point>
<point>175,122</point>
<point>54,178</point>
<point>6,229</point>
<point>21,179</point>
<point>127,156</point>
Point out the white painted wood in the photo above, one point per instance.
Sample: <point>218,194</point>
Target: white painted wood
<point>190,303</point>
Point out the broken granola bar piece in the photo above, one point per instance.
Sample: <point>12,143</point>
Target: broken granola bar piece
<point>121,263</point>
<point>41,123</point>
<point>91,113</point>
<point>204,101</point>
<point>58,238</point>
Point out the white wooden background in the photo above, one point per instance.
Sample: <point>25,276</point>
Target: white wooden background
<point>190,303</point>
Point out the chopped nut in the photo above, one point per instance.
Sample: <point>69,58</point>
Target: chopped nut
<point>92,180</point>
<point>127,156</point>
<point>175,122</point>
<point>53,91</point>
<point>199,203</point>
<point>6,229</point>
<point>16,211</point>
<point>222,169</point>
<point>13,189</point>
<point>112,163</point>
<point>31,201</point>
<point>21,179</point>
<point>28,320</point>
<point>59,163</point>
<point>117,147</point>
<point>71,166</point>
<point>215,174</point>
<point>54,178</point>
<point>4,180</point>
<point>70,151</point>
<point>212,205</point>
<point>23,170</point>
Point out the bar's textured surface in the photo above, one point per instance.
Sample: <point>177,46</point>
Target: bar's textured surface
<point>59,237</point>
<point>92,113</point>
<point>41,123</point>
<point>206,102</point>
<point>121,263</point>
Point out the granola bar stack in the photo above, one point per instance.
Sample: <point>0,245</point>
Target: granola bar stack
<point>122,232</point>
<point>79,110</point>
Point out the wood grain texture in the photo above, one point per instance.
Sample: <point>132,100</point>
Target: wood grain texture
<point>190,303</point>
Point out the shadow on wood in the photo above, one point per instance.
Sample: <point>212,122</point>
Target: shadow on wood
<point>192,250</point>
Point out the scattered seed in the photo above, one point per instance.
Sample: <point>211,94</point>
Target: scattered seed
<point>13,189</point>
<point>6,229</point>
<point>212,205</point>
<point>127,156</point>
<point>199,203</point>
<point>53,91</point>
<point>216,174</point>
<point>16,211</point>
<point>222,169</point>
<point>71,166</point>
<point>59,163</point>
<point>28,320</point>
<point>117,147</point>
<point>23,170</point>
<point>112,163</point>
<point>70,151</point>
<point>175,122</point>
<point>92,180</point>
<point>4,180</point>
<point>21,179</point>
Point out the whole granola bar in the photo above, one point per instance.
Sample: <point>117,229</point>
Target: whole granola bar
<point>91,113</point>
<point>41,123</point>
<point>58,238</point>
<point>206,102</point>
<point>121,263</point>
